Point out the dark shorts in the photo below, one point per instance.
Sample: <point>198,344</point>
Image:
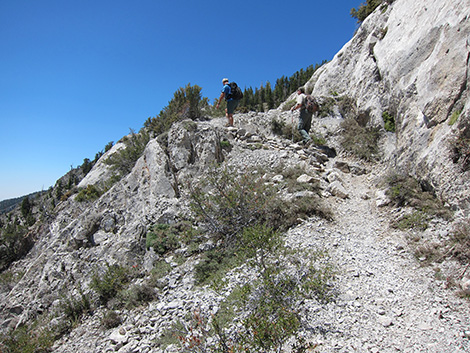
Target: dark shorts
<point>305,120</point>
<point>232,105</point>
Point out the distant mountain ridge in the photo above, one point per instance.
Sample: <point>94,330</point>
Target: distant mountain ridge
<point>10,204</point>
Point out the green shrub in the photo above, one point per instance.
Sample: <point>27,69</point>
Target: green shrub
<point>383,32</point>
<point>277,126</point>
<point>74,308</point>
<point>269,325</point>
<point>428,253</point>
<point>365,9</point>
<point>187,103</point>
<point>227,203</point>
<point>288,105</point>
<point>162,238</point>
<point>168,337</point>
<point>31,338</point>
<point>290,132</point>
<point>404,190</point>
<point>389,122</point>
<point>160,270</point>
<point>15,243</point>
<point>415,220</point>
<point>216,262</point>
<point>134,296</point>
<point>454,117</point>
<point>111,319</point>
<point>461,148</point>
<point>225,145</point>
<point>459,244</point>
<point>90,193</point>
<point>124,159</point>
<point>271,300</point>
<point>109,283</point>
<point>327,105</point>
<point>359,140</point>
<point>318,140</point>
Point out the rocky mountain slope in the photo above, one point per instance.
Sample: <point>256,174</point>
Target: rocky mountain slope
<point>409,59</point>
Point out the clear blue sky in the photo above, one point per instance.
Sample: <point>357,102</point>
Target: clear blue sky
<point>75,75</point>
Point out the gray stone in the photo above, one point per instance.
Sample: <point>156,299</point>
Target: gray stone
<point>337,189</point>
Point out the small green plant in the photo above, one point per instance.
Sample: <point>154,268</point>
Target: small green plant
<point>123,160</point>
<point>111,319</point>
<point>90,193</point>
<point>454,117</point>
<point>135,296</point>
<point>75,307</point>
<point>428,253</point>
<point>290,132</point>
<point>277,126</point>
<point>389,122</point>
<point>406,191</point>
<point>169,337</point>
<point>30,338</point>
<point>359,140</point>
<point>459,244</point>
<point>383,32</point>
<point>225,145</point>
<point>162,238</point>
<point>108,283</point>
<point>415,220</point>
<point>460,146</point>
<point>215,263</point>
<point>328,104</point>
<point>318,139</point>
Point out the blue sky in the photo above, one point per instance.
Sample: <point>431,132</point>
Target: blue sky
<point>75,75</point>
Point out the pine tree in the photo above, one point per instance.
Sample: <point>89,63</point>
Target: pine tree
<point>26,207</point>
<point>269,99</point>
<point>187,103</point>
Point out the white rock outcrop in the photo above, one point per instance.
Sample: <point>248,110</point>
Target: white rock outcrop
<point>411,59</point>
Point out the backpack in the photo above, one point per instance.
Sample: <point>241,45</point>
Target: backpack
<point>311,104</point>
<point>235,91</point>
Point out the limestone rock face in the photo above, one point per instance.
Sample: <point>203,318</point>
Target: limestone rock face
<point>101,171</point>
<point>410,59</point>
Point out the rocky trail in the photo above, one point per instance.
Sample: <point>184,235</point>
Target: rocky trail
<point>387,301</point>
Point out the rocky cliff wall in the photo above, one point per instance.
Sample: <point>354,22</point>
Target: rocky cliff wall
<point>411,60</point>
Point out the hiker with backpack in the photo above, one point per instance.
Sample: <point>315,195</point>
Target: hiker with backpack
<point>307,105</point>
<point>232,94</point>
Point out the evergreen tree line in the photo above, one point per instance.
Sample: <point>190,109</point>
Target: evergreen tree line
<point>188,103</point>
<point>266,97</point>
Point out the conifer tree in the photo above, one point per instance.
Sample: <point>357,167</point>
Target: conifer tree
<point>269,99</point>
<point>187,103</point>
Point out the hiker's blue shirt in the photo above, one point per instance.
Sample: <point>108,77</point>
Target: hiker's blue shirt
<point>227,91</point>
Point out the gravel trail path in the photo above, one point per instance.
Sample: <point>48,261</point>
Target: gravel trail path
<point>386,301</point>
